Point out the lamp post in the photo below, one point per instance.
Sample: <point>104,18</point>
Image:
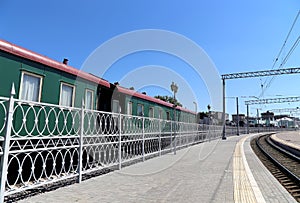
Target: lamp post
<point>174,89</point>
<point>248,110</point>
<point>195,111</point>
<point>237,114</point>
<point>224,112</point>
<point>209,114</point>
<point>257,120</point>
<point>247,118</point>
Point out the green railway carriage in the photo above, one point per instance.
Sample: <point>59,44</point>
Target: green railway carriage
<point>139,104</point>
<point>47,122</point>
<point>40,79</point>
<point>129,102</point>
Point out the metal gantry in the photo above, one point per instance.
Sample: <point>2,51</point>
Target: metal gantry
<point>263,73</point>
<point>286,110</point>
<point>273,100</point>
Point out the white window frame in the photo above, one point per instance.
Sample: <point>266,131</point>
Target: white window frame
<point>151,108</point>
<point>129,107</point>
<point>33,75</point>
<point>115,101</point>
<point>92,100</point>
<point>138,109</point>
<point>73,94</point>
<point>160,114</point>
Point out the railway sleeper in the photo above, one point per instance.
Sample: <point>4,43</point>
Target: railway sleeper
<point>291,185</point>
<point>281,176</point>
<point>285,179</point>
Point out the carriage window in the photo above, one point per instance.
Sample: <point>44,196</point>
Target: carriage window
<point>89,97</point>
<point>67,95</point>
<point>160,114</point>
<point>168,115</point>
<point>151,112</point>
<point>116,107</point>
<point>140,110</point>
<point>129,108</point>
<point>31,86</point>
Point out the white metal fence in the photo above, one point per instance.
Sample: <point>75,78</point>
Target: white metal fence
<point>45,143</point>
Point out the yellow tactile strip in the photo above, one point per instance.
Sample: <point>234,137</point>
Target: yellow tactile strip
<point>245,186</point>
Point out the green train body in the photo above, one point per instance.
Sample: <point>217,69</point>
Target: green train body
<point>57,79</point>
<point>132,102</point>
<point>47,115</point>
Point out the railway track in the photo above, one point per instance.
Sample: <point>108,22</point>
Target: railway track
<point>284,166</point>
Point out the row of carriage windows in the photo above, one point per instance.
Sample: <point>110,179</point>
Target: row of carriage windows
<point>140,110</point>
<point>31,90</point>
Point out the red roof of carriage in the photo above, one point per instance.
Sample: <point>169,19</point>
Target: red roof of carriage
<point>148,98</point>
<point>27,54</point>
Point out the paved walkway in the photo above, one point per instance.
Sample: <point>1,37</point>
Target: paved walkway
<point>202,173</point>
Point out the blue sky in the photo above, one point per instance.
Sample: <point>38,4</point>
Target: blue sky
<point>238,36</point>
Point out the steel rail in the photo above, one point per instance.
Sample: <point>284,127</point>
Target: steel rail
<point>289,154</point>
<point>281,167</point>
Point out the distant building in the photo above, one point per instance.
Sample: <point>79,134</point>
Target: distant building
<point>276,117</point>
<point>287,123</point>
<point>267,116</point>
<point>252,121</point>
<point>241,117</point>
<point>218,116</point>
<point>212,117</point>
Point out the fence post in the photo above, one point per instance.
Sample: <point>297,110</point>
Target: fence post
<point>171,135</point>
<point>6,143</point>
<point>159,141</point>
<point>143,146</point>
<point>175,126</point>
<point>179,130</point>
<point>120,141</point>
<point>209,132</point>
<point>80,164</point>
<point>195,129</point>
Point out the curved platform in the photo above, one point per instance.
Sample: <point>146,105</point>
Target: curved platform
<point>289,138</point>
<point>215,171</point>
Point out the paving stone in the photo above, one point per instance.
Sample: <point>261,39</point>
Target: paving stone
<point>201,173</point>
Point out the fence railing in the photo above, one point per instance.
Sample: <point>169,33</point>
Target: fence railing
<point>230,130</point>
<point>45,143</point>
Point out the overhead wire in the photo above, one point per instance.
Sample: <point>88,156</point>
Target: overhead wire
<point>282,64</point>
<point>286,39</point>
<point>280,52</point>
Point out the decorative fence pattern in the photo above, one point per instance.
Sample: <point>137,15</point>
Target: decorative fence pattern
<point>45,143</point>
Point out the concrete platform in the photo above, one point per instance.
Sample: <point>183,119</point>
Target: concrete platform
<point>216,171</point>
<point>289,138</point>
